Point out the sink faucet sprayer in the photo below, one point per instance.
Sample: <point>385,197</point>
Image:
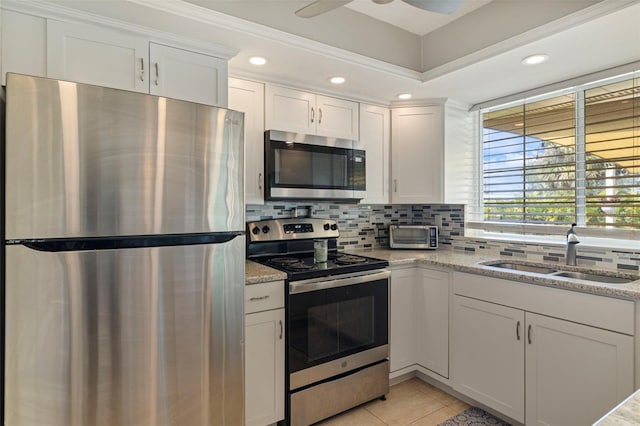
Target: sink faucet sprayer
<point>572,240</point>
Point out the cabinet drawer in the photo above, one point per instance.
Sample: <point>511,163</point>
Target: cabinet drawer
<point>263,297</point>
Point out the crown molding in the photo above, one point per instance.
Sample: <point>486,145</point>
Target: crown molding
<point>598,10</point>
<point>228,22</point>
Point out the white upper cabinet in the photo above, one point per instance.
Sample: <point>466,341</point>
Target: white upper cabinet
<point>302,112</point>
<point>248,97</point>
<point>114,58</point>
<point>374,139</point>
<point>337,117</point>
<point>24,48</point>
<point>183,74</point>
<point>417,155</point>
<point>95,55</point>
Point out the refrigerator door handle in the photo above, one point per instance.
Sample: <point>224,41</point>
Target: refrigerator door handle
<point>114,243</point>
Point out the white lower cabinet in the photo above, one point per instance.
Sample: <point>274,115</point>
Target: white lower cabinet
<point>537,369</point>
<point>401,335</point>
<point>419,336</point>
<point>264,353</point>
<point>574,373</point>
<point>431,305</point>
<point>488,354</point>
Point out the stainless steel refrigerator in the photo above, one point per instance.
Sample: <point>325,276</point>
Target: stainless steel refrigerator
<point>124,258</point>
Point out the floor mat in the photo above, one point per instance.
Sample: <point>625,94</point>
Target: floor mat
<point>474,417</point>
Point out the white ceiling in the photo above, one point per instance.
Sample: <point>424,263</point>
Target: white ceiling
<point>601,36</point>
<point>409,18</point>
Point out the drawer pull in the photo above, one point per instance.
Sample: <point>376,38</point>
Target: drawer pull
<point>254,299</point>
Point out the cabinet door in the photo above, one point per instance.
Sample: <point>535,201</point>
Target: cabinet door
<point>95,55</point>
<point>23,44</point>
<point>290,110</point>
<point>488,354</point>
<point>337,118</point>
<point>417,141</point>
<point>264,367</point>
<point>186,75</point>
<point>575,373</point>
<point>248,97</point>
<point>432,320</point>
<point>401,319</point>
<point>374,139</point>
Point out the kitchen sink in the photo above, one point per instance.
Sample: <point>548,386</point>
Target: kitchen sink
<point>522,267</point>
<point>609,279</point>
<point>558,272</point>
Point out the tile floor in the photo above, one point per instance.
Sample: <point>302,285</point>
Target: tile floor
<point>412,402</point>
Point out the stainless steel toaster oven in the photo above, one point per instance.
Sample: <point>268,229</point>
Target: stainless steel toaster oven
<point>419,237</point>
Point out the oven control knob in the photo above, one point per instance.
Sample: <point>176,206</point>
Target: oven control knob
<point>334,227</point>
<point>255,230</point>
<point>265,229</point>
<point>326,226</point>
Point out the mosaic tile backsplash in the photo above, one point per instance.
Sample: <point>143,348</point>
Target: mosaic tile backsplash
<point>367,226</point>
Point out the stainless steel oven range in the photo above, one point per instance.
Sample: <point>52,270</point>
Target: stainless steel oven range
<point>337,317</point>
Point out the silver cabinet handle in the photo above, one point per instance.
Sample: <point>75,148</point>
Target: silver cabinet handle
<point>157,74</point>
<point>281,329</point>
<point>395,185</point>
<point>319,115</point>
<point>518,330</point>
<point>260,181</point>
<point>141,69</point>
<point>253,299</point>
<point>529,333</point>
<point>313,114</point>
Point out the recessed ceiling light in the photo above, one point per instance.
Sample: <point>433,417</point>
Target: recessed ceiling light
<point>404,96</point>
<point>535,59</point>
<point>257,60</point>
<point>337,80</point>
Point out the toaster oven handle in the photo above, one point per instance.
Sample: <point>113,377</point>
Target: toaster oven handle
<point>324,283</point>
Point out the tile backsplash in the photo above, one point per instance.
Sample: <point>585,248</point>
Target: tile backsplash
<point>365,226</point>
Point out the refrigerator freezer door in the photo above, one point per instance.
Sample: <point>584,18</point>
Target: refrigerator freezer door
<point>143,336</point>
<point>84,161</point>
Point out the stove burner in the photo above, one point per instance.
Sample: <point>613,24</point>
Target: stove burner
<point>349,260</point>
<point>285,260</point>
<point>299,266</point>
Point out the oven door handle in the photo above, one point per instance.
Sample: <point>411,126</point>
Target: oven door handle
<point>324,283</point>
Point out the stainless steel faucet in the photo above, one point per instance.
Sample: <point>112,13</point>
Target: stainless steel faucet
<point>572,240</point>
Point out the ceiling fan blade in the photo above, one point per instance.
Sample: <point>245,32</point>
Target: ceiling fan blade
<point>446,7</point>
<point>319,7</point>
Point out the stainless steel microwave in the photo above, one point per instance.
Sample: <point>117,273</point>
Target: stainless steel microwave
<point>298,166</point>
<point>413,236</point>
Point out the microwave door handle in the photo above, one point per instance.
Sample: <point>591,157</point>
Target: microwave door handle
<point>315,284</point>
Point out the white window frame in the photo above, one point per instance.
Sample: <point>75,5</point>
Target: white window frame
<point>476,227</point>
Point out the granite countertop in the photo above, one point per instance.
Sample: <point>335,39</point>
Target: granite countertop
<point>627,413</point>
<point>256,273</point>
<point>472,263</point>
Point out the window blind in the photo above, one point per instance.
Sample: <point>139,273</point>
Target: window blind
<point>612,159</point>
<point>529,162</point>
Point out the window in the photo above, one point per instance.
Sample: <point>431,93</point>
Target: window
<point>567,158</point>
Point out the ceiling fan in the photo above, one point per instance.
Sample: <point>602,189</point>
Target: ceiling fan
<point>318,7</point>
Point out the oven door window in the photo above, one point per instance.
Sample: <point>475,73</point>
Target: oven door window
<point>328,324</point>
